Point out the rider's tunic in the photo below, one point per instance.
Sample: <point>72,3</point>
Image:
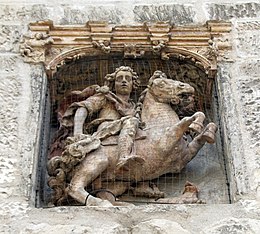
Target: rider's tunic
<point>113,115</point>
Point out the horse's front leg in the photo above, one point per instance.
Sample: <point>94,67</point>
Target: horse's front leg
<point>207,135</point>
<point>194,122</point>
<point>197,124</point>
<point>183,125</point>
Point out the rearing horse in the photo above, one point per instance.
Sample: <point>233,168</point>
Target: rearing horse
<point>163,149</point>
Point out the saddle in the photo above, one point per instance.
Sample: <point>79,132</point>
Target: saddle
<point>112,140</point>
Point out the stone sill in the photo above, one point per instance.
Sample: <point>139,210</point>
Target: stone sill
<point>137,219</point>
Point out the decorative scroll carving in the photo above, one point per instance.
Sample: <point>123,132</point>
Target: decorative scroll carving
<point>34,48</point>
<point>108,163</point>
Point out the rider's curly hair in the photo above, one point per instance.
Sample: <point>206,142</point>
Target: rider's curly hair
<point>110,78</point>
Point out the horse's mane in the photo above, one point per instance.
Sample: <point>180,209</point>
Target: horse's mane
<point>181,112</point>
<point>139,104</point>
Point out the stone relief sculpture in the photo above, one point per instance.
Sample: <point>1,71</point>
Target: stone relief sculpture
<point>132,142</point>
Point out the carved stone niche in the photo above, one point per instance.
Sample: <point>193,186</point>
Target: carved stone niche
<point>81,55</point>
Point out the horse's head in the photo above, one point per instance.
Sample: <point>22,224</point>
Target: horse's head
<point>168,90</point>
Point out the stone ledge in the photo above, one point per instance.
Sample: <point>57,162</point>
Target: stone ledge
<point>138,219</point>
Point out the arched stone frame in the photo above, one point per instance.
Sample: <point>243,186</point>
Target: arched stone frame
<point>202,55</point>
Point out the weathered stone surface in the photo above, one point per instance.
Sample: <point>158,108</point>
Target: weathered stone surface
<point>14,209</point>
<point>20,108</point>
<point>248,25</point>
<point>250,98</point>
<point>248,44</point>
<point>9,38</point>
<point>24,13</point>
<point>73,15</point>
<point>138,219</point>
<point>238,226</point>
<point>249,88</point>
<point>30,121</point>
<point>10,89</point>
<point>175,13</point>
<point>251,207</point>
<point>157,226</point>
<point>250,68</point>
<point>77,229</point>
<point>231,130</point>
<point>80,15</point>
<point>229,11</point>
<point>111,14</point>
<point>8,64</point>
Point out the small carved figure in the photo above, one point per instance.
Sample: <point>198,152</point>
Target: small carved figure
<point>130,51</point>
<point>158,46</point>
<point>103,45</point>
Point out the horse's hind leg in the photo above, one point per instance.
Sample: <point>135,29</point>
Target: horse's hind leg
<point>90,168</point>
<point>110,190</point>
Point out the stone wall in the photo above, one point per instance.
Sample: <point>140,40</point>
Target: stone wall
<point>22,84</point>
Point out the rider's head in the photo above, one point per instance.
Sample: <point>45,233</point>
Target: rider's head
<point>122,74</point>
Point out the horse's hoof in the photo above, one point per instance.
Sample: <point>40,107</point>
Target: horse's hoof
<point>209,134</point>
<point>196,127</point>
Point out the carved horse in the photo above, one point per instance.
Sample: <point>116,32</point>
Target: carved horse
<point>163,148</point>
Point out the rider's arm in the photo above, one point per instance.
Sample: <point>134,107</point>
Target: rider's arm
<point>79,119</point>
<point>91,105</point>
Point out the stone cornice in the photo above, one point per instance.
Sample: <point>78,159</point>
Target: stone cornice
<point>55,45</point>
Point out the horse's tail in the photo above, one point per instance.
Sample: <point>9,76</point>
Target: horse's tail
<point>60,168</point>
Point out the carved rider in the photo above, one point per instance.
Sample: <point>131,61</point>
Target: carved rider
<point>116,113</point>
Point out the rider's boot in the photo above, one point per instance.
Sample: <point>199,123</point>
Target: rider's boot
<point>126,159</point>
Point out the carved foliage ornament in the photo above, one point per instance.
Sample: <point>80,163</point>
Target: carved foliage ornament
<point>56,45</point>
